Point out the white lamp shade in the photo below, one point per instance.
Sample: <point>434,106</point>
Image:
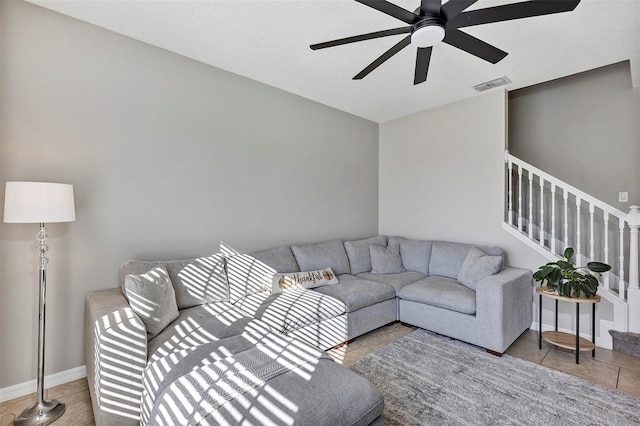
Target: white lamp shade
<point>38,202</point>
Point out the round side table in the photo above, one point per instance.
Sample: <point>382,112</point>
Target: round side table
<point>566,340</point>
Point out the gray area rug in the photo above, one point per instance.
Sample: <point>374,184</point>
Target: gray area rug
<point>431,379</point>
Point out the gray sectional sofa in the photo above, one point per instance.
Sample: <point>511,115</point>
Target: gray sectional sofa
<point>236,351</point>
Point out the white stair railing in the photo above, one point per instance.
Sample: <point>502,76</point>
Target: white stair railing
<point>603,238</point>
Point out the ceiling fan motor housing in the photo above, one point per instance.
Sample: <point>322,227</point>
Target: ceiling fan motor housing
<point>428,32</point>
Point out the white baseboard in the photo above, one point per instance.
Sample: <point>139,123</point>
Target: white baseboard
<point>22,389</point>
<point>601,342</point>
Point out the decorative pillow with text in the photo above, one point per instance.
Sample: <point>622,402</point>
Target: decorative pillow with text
<point>303,280</point>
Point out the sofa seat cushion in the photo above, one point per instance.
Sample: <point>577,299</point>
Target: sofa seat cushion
<point>357,293</point>
<point>275,380</point>
<point>441,292</point>
<point>397,281</point>
<point>201,324</point>
<point>293,309</point>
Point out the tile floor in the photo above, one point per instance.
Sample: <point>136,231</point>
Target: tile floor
<point>608,368</point>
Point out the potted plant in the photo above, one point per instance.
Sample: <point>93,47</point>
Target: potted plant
<point>567,279</point>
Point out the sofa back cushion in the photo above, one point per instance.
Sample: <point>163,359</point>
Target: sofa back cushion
<point>358,253</point>
<point>415,254</point>
<point>246,274</point>
<point>330,254</point>
<point>281,259</point>
<point>195,281</point>
<point>447,258</point>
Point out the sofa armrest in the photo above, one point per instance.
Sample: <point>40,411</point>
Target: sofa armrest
<point>504,308</point>
<point>115,355</point>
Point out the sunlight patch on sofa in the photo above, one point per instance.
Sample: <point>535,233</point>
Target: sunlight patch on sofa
<point>246,275</point>
<point>225,310</point>
<point>294,309</point>
<point>119,361</point>
<point>205,391</point>
<point>142,305</point>
<point>205,278</point>
<point>324,334</point>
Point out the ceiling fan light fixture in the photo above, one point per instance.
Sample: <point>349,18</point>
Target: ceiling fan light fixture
<point>427,33</point>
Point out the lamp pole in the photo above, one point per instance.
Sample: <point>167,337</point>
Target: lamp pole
<point>43,412</point>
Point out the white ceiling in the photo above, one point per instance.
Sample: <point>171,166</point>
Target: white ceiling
<point>268,41</point>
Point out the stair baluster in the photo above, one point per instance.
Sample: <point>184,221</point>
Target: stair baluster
<point>578,233</point>
<point>591,233</point>
<point>530,225</point>
<point>510,177</point>
<point>606,248</point>
<point>553,218</point>
<point>621,272</point>
<point>634,285</point>
<point>541,211</point>
<point>545,239</point>
<point>566,218</point>
<point>520,199</point>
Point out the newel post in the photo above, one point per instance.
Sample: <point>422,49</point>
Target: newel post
<point>633,218</point>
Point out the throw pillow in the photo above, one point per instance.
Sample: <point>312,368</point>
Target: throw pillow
<point>386,260</point>
<point>246,274</point>
<point>152,297</point>
<point>415,254</point>
<point>476,266</point>
<point>358,253</point>
<point>302,280</point>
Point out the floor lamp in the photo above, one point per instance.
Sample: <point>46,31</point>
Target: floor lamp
<point>39,202</point>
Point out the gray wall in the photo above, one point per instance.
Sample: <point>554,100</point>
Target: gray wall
<point>583,129</point>
<point>442,178</point>
<point>167,157</point>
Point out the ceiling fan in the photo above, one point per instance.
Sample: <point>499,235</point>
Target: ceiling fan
<point>433,22</point>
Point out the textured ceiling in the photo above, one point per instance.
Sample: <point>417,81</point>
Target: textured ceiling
<point>268,41</point>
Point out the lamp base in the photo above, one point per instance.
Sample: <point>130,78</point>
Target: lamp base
<point>41,413</point>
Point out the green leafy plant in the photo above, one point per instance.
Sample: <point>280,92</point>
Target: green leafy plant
<point>569,280</point>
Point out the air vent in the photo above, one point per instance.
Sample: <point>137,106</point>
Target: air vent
<point>500,81</point>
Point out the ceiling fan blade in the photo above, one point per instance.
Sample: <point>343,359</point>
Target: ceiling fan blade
<point>508,12</point>
<point>430,7</point>
<point>361,37</point>
<point>392,10</point>
<point>453,8</point>
<point>474,46</point>
<point>423,57</point>
<point>386,55</point>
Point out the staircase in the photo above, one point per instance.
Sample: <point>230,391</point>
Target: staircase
<point>549,215</point>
